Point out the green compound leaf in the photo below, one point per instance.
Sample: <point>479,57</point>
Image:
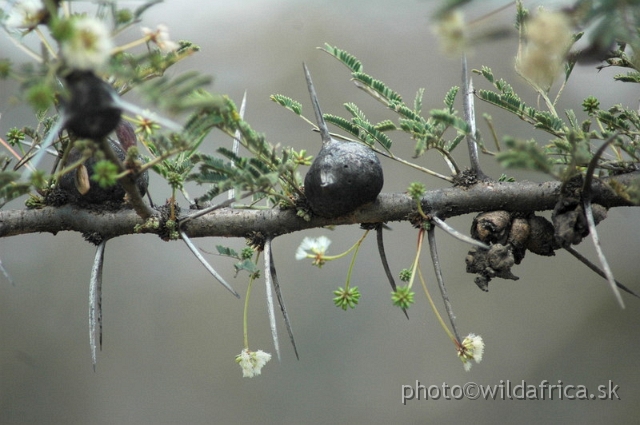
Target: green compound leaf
<point>377,86</point>
<point>451,120</point>
<point>546,121</point>
<point>288,103</point>
<point>343,123</point>
<point>629,77</point>
<point>179,94</point>
<point>406,112</point>
<point>105,173</point>
<point>347,59</point>
<point>525,154</point>
<point>226,251</point>
<point>248,266</point>
<point>417,103</point>
<point>486,72</point>
<point>386,125</point>
<point>450,98</point>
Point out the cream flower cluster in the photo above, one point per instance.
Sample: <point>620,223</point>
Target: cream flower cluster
<point>88,43</point>
<point>252,362</point>
<point>548,39</point>
<point>472,349</point>
<point>89,46</point>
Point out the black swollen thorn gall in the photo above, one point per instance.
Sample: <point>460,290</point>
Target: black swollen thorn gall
<point>344,175</point>
<point>81,189</point>
<point>90,110</point>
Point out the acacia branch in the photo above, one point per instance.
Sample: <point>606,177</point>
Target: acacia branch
<point>229,222</point>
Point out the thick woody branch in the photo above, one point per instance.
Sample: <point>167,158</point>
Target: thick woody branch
<point>228,222</point>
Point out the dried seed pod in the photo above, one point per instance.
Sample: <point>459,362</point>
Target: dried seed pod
<point>569,221</point>
<point>599,213</point>
<point>83,184</point>
<point>491,227</point>
<point>344,175</point>
<point>494,262</point>
<point>541,240</point>
<point>518,237</point>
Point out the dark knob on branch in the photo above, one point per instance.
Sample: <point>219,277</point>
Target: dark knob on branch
<point>90,110</point>
<point>79,186</point>
<point>344,175</point>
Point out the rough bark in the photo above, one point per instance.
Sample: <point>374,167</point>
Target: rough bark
<point>229,222</point>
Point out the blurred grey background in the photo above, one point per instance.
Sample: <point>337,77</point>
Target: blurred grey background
<point>171,332</point>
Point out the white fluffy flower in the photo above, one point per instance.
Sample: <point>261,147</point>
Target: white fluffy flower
<point>25,14</point>
<point>161,38</point>
<point>252,362</point>
<point>90,45</point>
<point>549,37</point>
<point>450,29</point>
<point>313,248</point>
<point>472,349</point>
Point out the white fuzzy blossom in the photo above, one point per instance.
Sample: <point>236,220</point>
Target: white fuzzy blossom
<point>252,362</point>
<point>472,349</point>
<point>450,30</point>
<point>548,38</point>
<point>161,38</point>
<point>313,248</point>
<point>89,47</point>
<point>25,14</point>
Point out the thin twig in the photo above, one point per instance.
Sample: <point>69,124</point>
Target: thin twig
<point>385,263</point>
<point>453,232</point>
<point>595,268</point>
<point>431,237</point>
<point>283,308</point>
<point>270,307</point>
<point>205,263</point>
<point>95,303</point>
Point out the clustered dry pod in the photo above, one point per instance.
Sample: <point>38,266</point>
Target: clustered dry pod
<point>510,235</point>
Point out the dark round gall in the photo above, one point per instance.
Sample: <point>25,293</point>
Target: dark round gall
<point>78,184</point>
<point>90,110</point>
<point>343,177</point>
